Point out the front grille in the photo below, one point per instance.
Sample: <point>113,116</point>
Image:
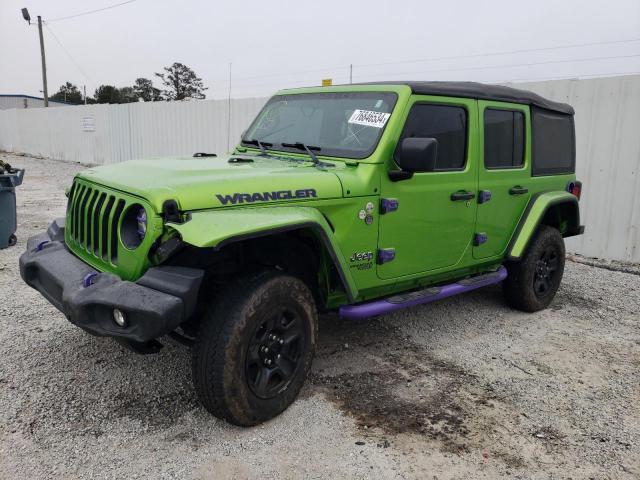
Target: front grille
<point>93,215</point>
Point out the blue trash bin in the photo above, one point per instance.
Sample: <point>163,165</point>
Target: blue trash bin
<point>8,224</point>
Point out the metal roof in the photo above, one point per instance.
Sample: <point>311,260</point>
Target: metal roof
<point>20,95</point>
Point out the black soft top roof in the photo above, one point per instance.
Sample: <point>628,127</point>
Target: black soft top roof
<point>482,91</point>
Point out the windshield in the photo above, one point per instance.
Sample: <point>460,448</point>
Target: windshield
<point>334,124</point>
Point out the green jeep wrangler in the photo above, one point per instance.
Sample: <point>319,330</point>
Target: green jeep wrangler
<point>361,199</point>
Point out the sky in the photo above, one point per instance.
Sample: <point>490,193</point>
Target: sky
<point>278,44</point>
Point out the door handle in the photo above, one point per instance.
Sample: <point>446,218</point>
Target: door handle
<point>462,195</point>
<point>518,190</point>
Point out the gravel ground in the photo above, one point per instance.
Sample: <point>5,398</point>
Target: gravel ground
<point>464,388</point>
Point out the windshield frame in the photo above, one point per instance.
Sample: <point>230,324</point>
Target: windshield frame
<point>363,155</point>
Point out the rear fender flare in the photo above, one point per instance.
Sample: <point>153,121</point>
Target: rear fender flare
<point>533,216</point>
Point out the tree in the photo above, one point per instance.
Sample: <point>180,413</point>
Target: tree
<point>68,93</point>
<point>181,83</point>
<point>145,90</point>
<point>128,95</point>
<point>107,94</point>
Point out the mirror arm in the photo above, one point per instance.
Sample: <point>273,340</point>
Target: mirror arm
<point>399,175</point>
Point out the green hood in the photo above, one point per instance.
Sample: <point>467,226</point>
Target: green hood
<point>210,182</point>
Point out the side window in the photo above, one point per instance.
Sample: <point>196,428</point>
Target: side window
<point>447,124</point>
<point>503,138</point>
<point>554,143</point>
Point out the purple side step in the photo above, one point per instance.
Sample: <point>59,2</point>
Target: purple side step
<point>391,304</point>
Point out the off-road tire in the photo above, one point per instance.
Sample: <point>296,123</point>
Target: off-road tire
<point>233,322</point>
<point>522,287</point>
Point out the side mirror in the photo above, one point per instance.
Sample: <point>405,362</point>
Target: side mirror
<point>418,154</point>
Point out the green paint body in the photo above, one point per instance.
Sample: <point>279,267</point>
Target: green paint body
<point>432,236</point>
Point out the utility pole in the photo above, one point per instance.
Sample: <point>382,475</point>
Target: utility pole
<point>44,64</point>
<point>45,92</point>
<point>229,111</point>
<point>84,87</point>
<point>351,73</point>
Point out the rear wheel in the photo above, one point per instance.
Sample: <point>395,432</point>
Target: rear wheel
<point>12,240</point>
<point>254,348</point>
<point>532,283</point>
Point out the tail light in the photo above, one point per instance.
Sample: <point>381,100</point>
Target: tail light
<point>575,188</point>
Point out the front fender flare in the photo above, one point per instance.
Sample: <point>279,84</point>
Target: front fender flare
<point>534,214</point>
<point>217,228</point>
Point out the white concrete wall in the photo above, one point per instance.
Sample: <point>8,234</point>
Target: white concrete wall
<point>128,131</point>
<point>607,131</point>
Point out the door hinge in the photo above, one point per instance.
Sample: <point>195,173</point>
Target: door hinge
<point>386,255</point>
<point>479,239</point>
<point>388,205</point>
<point>484,196</point>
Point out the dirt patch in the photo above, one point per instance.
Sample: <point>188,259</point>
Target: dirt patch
<point>407,391</point>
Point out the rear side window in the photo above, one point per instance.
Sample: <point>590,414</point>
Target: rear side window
<point>447,124</point>
<point>503,138</point>
<point>554,143</point>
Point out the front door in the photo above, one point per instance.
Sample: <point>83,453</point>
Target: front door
<point>504,174</point>
<point>432,227</point>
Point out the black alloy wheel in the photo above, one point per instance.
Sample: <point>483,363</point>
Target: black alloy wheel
<point>546,269</point>
<point>274,353</point>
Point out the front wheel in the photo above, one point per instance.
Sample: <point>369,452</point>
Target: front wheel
<point>532,282</point>
<point>255,347</point>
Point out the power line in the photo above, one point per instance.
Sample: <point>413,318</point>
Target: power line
<point>315,70</point>
<point>222,87</point>
<point>564,77</point>
<point>218,90</point>
<point>510,52</point>
<point>441,70</point>
<point>494,81</point>
<point>90,11</point>
<point>550,62</point>
<point>69,55</point>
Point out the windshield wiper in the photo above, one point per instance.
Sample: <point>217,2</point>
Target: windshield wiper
<point>259,144</point>
<point>309,149</point>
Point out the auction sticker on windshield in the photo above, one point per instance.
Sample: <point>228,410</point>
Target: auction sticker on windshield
<point>369,118</point>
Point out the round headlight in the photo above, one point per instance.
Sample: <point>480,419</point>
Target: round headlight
<point>134,226</point>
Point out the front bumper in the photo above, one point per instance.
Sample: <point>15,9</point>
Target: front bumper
<point>156,304</point>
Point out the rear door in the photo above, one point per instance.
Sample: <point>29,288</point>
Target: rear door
<point>504,174</point>
<point>432,227</point>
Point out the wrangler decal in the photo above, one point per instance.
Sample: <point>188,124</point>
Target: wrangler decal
<point>266,196</point>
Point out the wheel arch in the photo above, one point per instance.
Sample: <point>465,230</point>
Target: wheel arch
<point>556,209</point>
<point>257,226</point>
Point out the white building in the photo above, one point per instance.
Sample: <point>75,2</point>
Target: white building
<point>25,101</point>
